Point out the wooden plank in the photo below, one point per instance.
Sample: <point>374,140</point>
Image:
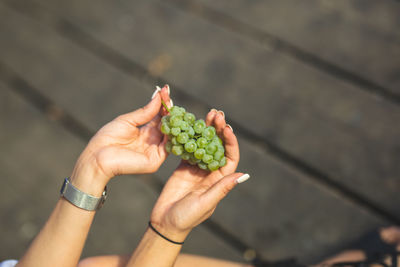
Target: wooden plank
<point>358,35</point>
<point>315,110</point>
<point>60,69</point>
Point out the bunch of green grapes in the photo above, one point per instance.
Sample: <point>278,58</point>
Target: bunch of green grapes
<point>192,140</point>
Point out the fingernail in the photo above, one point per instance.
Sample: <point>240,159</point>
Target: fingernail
<point>230,127</point>
<point>242,178</point>
<point>168,90</point>
<point>158,89</point>
<point>214,110</point>
<point>171,103</point>
<point>222,113</point>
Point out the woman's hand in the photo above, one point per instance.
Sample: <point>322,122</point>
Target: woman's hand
<point>130,144</point>
<point>191,194</point>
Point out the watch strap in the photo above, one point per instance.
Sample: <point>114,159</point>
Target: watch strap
<point>80,199</point>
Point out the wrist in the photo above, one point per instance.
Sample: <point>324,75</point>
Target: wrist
<point>88,178</point>
<point>171,233</point>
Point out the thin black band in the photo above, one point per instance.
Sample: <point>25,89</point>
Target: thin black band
<point>166,238</point>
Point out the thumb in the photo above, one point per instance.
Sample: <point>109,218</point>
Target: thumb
<point>221,188</point>
<point>145,114</point>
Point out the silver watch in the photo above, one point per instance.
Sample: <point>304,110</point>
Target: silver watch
<point>81,199</point>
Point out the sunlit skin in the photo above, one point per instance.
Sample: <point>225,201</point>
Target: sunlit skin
<point>188,198</point>
<point>183,202</point>
<point>133,144</point>
<point>129,144</point>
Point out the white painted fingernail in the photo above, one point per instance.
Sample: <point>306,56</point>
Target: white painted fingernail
<point>158,89</point>
<point>242,178</point>
<point>222,113</point>
<point>230,127</point>
<point>168,90</point>
<point>172,103</point>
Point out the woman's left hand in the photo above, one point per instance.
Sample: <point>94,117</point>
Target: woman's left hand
<point>191,194</point>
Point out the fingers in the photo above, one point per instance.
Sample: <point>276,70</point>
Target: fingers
<point>221,188</point>
<point>165,96</point>
<point>161,148</point>
<point>123,160</point>
<point>145,114</point>
<point>225,132</point>
<point>231,148</point>
<point>219,123</point>
<point>210,117</point>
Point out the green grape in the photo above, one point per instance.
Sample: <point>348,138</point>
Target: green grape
<point>213,165</point>
<point>183,110</point>
<point>201,142</point>
<point>209,132</point>
<point>185,156</point>
<point>199,153</point>
<point>165,119</point>
<point>184,125</point>
<point>182,138</point>
<point>221,148</point>
<point>222,162</point>
<point>210,148</point>
<point>207,158</point>
<point>190,146</point>
<point>202,165</point>
<point>192,140</point>
<point>177,150</point>
<point>218,155</point>
<point>191,132</point>
<point>176,111</point>
<point>217,140</point>
<point>194,158</point>
<point>165,128</point>
<point>168,147</point>
<point>199,126</point>
<point>175,121</point>
<point>189,117</point>
<point>192,161</point>
<point>175,131</point>
<point>174,141</point>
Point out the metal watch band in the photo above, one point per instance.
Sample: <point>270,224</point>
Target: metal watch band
<point>81,199</point>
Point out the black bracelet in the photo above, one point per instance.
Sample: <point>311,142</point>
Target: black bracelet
<point>166,238</point>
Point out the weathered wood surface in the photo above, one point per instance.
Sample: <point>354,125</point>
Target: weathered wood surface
<point>315,110</point>
<point>80,83</point>
<point>339,117</point>
<point>358,35</point>
<point>48,154</point>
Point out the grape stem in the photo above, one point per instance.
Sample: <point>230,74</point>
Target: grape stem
<point>165,106</point>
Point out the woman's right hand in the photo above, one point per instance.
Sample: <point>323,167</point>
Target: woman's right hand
<point>132,143</point>
<point>191,194</point>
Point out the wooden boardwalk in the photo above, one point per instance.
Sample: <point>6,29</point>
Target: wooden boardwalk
<point>311,88</point>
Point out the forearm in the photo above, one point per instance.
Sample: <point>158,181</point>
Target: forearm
<point>61,240</point>
<point>153,250</point>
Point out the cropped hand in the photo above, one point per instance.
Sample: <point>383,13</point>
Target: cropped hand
<point>130,144</point>
<point>191,194</point>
